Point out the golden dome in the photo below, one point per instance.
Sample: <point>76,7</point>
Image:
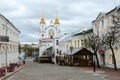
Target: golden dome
<point>42,21</point>
<point>56,20</point>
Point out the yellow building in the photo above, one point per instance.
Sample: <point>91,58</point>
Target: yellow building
<point>77,40</point>
<point>80,39</point>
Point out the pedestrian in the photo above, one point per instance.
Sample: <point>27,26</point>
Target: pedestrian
<point>23,61</point>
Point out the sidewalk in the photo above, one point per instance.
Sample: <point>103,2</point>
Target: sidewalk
<point>11,73</point>
<point>110,72</point>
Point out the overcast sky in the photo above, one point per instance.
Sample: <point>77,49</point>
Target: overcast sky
<point>73,14</point>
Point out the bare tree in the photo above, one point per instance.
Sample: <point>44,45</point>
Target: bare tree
<point>112,40</point>
<point>94,43</point>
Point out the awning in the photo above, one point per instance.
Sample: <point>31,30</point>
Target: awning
<point>73,51</point>
<point>50,48</point>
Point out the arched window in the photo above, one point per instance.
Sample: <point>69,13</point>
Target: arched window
<point>57,42</point>
<point>75,43</point>
<point>78,43</point>
<point>51,33</point>
<point>42,35</point>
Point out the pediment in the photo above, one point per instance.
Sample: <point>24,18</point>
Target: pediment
<point>100,15</point>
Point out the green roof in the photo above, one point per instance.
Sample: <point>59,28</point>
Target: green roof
<point>84,32</point>
<point>50,48</point>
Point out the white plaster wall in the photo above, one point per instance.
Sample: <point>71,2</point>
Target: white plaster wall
<point>108,23</point>
<point>47,31</point>
<point>44,46</point>
<point>13,33</point>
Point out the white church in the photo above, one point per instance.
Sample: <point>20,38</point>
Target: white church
<point>49,37</point>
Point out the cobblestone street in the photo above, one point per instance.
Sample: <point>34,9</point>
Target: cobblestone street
<point>35,71</point>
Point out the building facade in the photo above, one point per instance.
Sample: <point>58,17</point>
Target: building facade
<point>8,50</point>
<point>76,40</point>
<point>103,24</point>
<point>49,37</point>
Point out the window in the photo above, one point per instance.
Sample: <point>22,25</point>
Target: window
<point>78,43</point>
<point>111,19</point>
<point>51,37</point>
<point>57,51</point>
<point>51,33</point>
<point>42,27</point>
<point>3,30</point>
<point>71,43</point>
<point>102,23</point>
<point>57,42</point>
<point>82,42</point>
<point>75,43</point>
<point>42,35</point>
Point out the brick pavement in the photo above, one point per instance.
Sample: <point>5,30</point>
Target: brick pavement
<point>111,74</point>
<point>35,71</point>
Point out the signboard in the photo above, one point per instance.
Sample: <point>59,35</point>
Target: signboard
<point>4,39</point>
<point>101,51</point>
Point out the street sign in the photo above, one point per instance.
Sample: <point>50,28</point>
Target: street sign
<point>101,51</point>
<point>4,39</point>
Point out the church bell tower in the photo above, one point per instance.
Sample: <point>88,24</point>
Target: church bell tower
<point>42,27</point>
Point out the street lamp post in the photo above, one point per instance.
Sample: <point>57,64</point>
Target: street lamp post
<point>6,58</point>
<point>83,33</point>
<point>71,49</point>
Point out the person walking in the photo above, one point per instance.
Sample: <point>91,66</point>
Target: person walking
<point>24,61</point>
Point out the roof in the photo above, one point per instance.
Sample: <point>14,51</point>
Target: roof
<point>84,51</point>
<point>116,8</point>
<point>42,21</point>
<point>65,38</point>
<point>79,51</point>
<point>101,14</point>
<point>85,32</point>
<point>9,22</point>
<point>56,21</point>
<point>73,51</point>
<point>49,48</point>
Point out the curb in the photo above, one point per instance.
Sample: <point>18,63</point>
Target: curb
<point>10,74</point>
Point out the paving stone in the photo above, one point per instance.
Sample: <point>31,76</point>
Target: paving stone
<point>34,71</point>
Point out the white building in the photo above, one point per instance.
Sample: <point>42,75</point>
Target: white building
<point>49,36</point>
<point>8,50</point>
<point>104,23</point>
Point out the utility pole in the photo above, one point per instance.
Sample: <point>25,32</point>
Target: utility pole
<point>71,49</point>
